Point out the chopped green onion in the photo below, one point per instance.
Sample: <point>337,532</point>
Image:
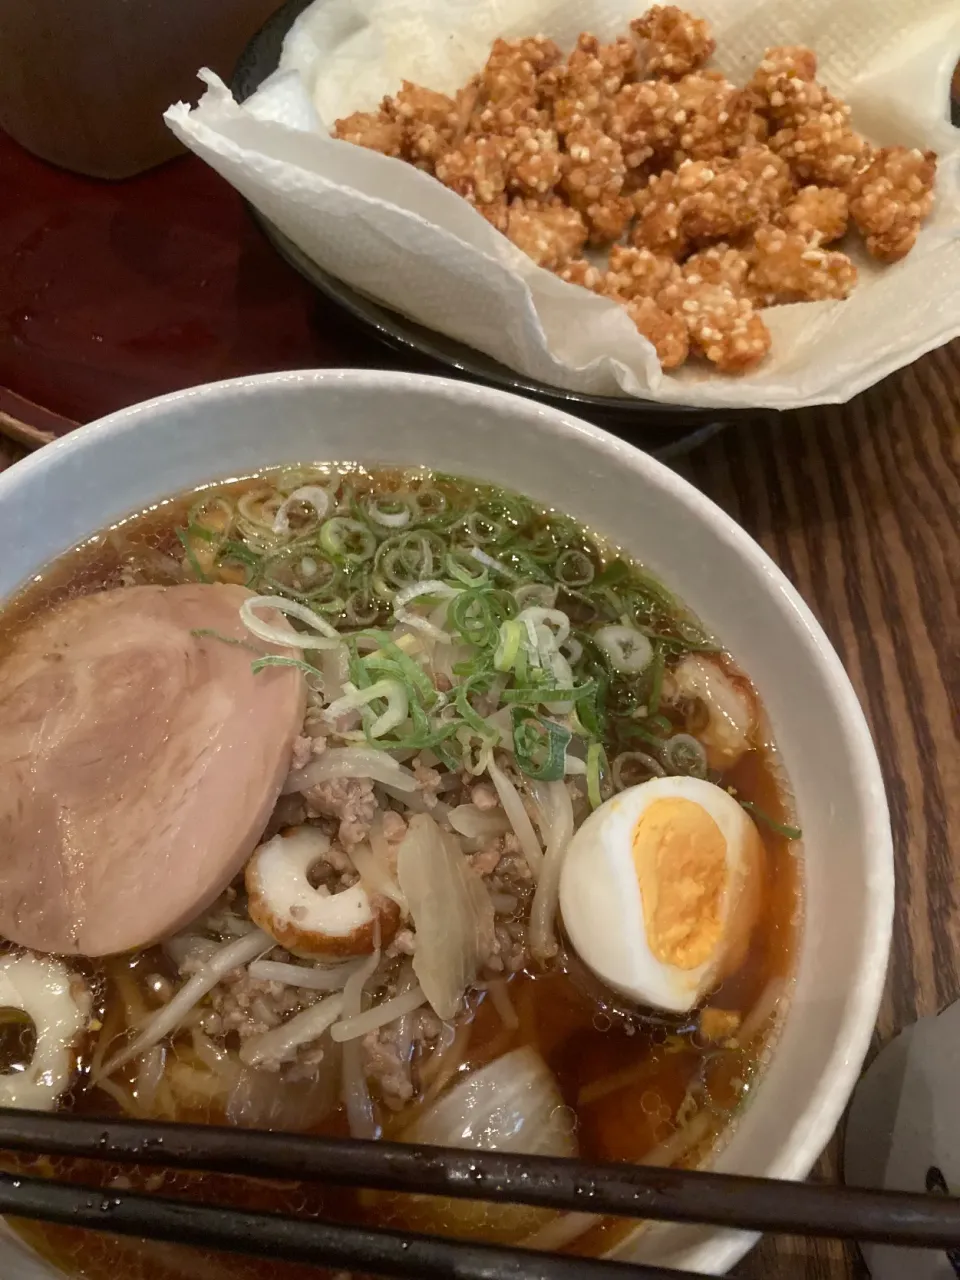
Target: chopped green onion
<point>532,695</point>
<point>655,674</point>
<point>465,569</point>
<point>480,684</point>
<point>347,540</point>
<point>275,660</point>
<point>574,568</point>
<point>480,530</point>
<point>302,572</point>
<point>597,771</point>
<point>540,745</point>
<point>508,646</point>
<point>192,560</point>
<point>781,828</point>
<point>208,633</point>
<point>390,513</point>
<point>684,755</point>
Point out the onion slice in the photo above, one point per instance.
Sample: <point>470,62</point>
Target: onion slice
<point>543,912</point>
<point>451,910</point>
<point>351,762</point>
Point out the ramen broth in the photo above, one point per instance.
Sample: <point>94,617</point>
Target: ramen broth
<point>636,1085</point>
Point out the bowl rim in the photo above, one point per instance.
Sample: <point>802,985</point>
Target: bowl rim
<point>824,1108</point>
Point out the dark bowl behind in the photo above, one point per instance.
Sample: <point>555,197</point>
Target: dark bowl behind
<point>663,429</point>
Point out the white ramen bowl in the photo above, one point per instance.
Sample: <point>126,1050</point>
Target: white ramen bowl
<point>127,461</point>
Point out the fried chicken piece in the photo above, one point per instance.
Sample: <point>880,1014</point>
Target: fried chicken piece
<point>551,233</point>
<point>714,118</point>
<point>513,66</point>
<point>721,198</point>
<point>718,265</point>
<point>785,267</point>
<point>532,161</point>
<point>722,327</point>
<point>373,130</point>
<point>495,213</point>
<point>659,224</point>
<point>666,332</point>
<point>639,273</point>
<point>593,168</point>
<point>645,118</point>
<point>785,84</point>
<point>580,91</point>
<point>891,198</point>
<point>822,147</point>
<point>820,214</point>
<point>580,271</point>
<point>475,169</point>
<point>676,43</point>
<point>608,219</point>
<point>429,121</point>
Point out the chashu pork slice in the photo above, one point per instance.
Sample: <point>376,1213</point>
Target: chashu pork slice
<point>139,764</point>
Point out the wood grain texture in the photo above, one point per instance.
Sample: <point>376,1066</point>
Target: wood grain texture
<point>859,504</point>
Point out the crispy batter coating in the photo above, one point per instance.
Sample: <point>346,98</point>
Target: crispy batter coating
<point>676,43</point>
<point>785,83</point>
<point>721,198</point>
<point>820,214</point>
<point>659,224</point>
<point>822,147</point>
<point>551,233</point>
<point>891,198</point>
<point>513,66</point>
<point>371,129</point>
<point>608,219</point>
<point>430,122</point>
<point>475,169</point>
<point>714,118</point>
<point>495,212</point>
<point>639,273</point>
<point>785,267</point>
<point>593,168</point>
<point>581,90</point>
<point>722,327</point>
<point>532,161</point>
<point>580,271</point>
<point>645,117</point>
<point>718,265</point>
<point>665,331</point>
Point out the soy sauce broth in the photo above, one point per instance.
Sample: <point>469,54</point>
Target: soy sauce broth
<point>624,1086</point>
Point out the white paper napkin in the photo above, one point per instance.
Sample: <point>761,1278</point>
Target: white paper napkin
<point>398,235</point>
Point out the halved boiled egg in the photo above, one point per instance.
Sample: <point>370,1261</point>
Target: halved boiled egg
<point>660,890</point>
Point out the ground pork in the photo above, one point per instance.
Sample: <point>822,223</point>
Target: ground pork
<point>242,1004</point>
<point>350,800</point>
<point>388,1066</point>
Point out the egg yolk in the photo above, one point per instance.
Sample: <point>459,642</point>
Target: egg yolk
<point>680,859</point>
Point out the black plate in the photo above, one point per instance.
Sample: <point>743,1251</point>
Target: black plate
<point>663,429</point>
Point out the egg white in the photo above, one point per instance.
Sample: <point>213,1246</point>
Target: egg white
<point>601,901</point>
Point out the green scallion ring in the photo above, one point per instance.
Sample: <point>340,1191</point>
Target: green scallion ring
<point>574,568</point>
<point>347,540</point>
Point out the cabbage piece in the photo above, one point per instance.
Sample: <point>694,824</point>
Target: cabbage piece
<point>511,1104</point>
<point>451,910</point>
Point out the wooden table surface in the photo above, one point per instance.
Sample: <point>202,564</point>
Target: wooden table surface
<point>112,293</point>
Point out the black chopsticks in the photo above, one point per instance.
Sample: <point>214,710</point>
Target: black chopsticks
<point>630,1191</point>
<point>634,1191</point>
<point>326,1244</point>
